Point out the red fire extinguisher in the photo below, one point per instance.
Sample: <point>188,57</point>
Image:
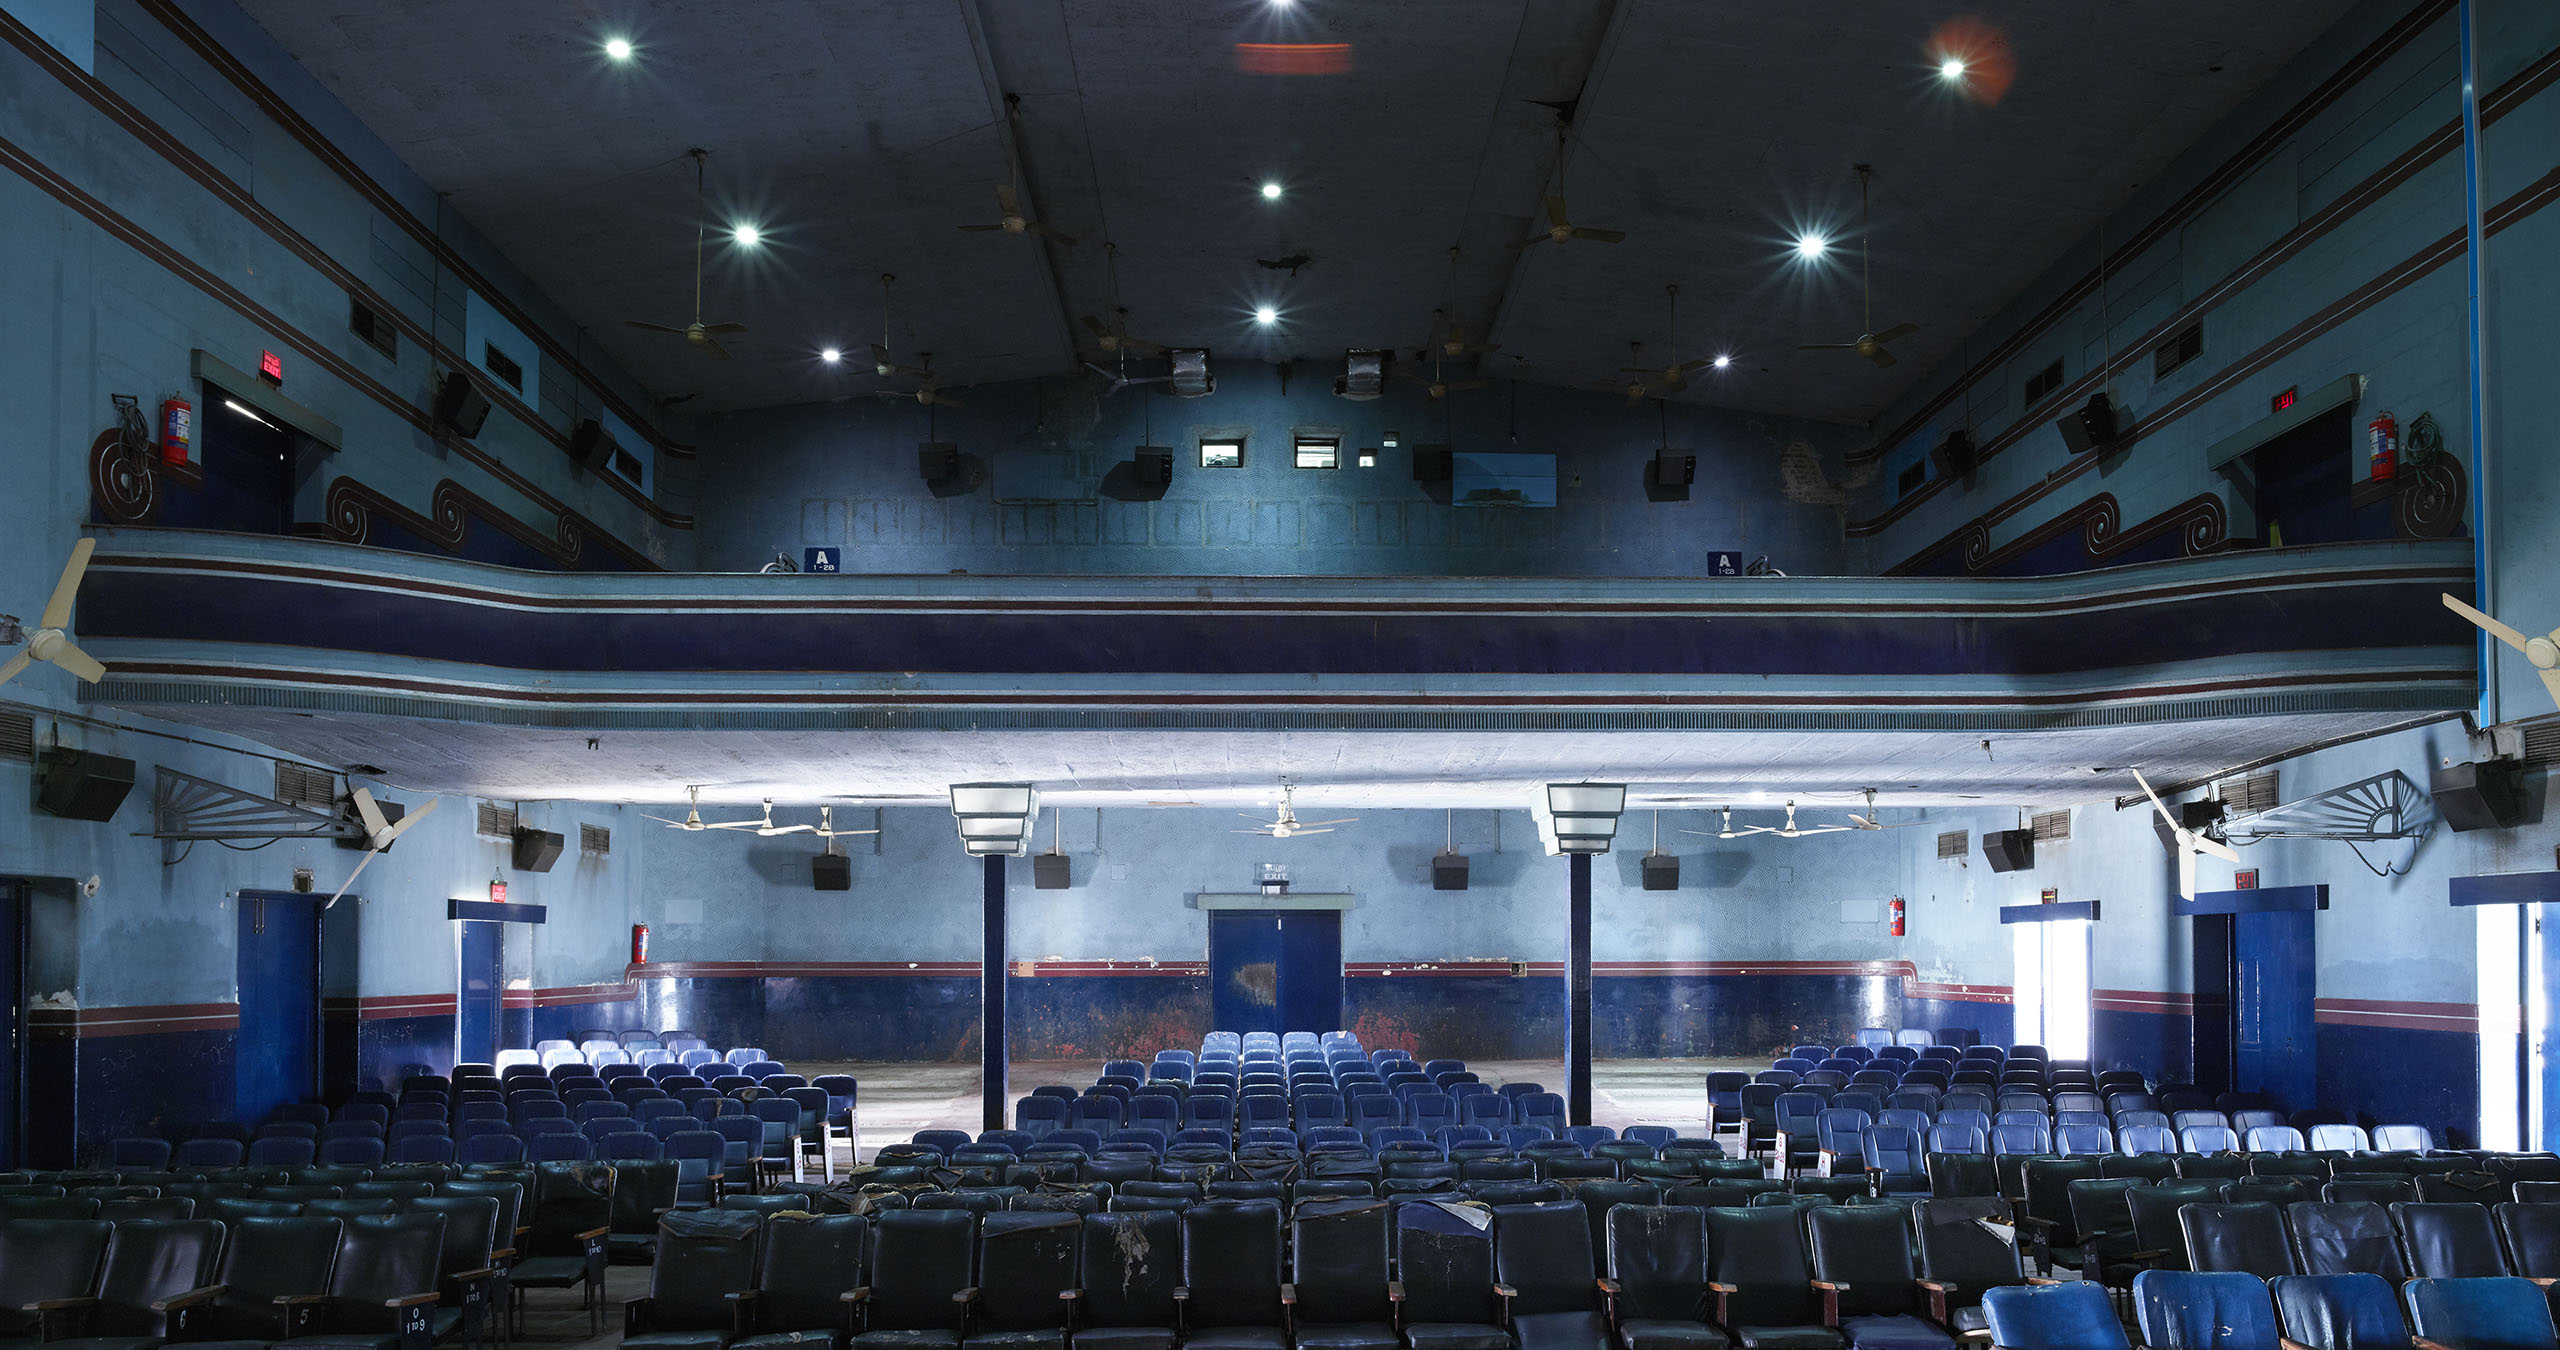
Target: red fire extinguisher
<point>177,431</point>
<point>1893,916</point>
<point>639,944</point>
<point>2383,434</point>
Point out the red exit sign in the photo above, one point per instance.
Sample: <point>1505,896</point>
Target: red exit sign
<point>271,368</point>
<point>2246,881</point>
<point>497,892</point>
<point>2285,400</point>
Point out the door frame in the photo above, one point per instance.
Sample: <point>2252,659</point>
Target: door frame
<point>311,904</point>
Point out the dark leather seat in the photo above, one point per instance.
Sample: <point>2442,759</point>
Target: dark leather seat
<point>1863,1254</point>
<point>1132,1266</point>
<point>1340,1270</point>
<point>2248,1238</point>
<point>1026,1279</point>
<point>2450,1241</point>
<point>704,1257</point>
<point>921,1261</point>
<point>1762,1280</point>
<point>2346,1238</point>
<point>1657,1257</point>
<point>1543,1265</point>
<point>1444,1250</point>
<point>809,1262</point>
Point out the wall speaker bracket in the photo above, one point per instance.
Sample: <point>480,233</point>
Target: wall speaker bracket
<point>186,809</point>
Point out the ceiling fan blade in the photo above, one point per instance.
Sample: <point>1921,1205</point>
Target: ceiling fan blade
<point>1458,386</point>
<point>368,814</point>
<point>1897,332</point>
<point>1264,833</point>
<point>1346,820</point>
<point>1051,232</point>
<point>770,831</point>
<point>2550,681</point>
<point>662,820</point>
<point>57,610</point>
<point>1829,347</point>
<point>712,348</point>
<point>2156,803</point>
<point>1555,212</point>
<point>368,857</point>
<point>1700,364</point>
<point>1823,829</point>
<point>2491,626</point>
<point>1097,327</point>
<point>732,825</point>
<point>1599,236</point>
<point>942,400</point>
<point>1708,834</point>
<point>1532,239</point>
<point>21,661</point>
<point>979,229</point>
<point>845,834</point>
<point>2218,849</point>
<point>1299,830</point>
<point>399,827</point>
<point>78,662</point>
<point>724,328</point>
<point>2186,874</point>
<point>1880,356</point>
<point>1004,197</point>
<point>653,327</point>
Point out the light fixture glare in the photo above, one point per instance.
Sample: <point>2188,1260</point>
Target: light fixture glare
<point>618,48</point>
<point>1811,246</point>
<point>1266,315</point>
<point>746,234</point>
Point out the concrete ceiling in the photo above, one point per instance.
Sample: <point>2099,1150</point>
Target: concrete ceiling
<point>860,136</point>
<point>1694,770</point>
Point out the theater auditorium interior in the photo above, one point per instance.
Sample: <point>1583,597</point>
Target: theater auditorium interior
<point>1279,674</point>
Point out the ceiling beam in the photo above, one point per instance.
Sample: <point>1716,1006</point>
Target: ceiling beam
<point>1026,189</point>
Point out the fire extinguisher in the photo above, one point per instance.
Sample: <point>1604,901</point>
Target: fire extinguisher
<point>1893,916</point>
<point>639,944</point>
<point>2383,434</point>
<point>177,431</point>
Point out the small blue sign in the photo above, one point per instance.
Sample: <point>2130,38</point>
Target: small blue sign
<point>822,560</point>
<point>1724,564</point>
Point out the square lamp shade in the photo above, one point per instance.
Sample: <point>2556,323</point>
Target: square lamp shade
<point>995,818</point>
<point>1582,817</point>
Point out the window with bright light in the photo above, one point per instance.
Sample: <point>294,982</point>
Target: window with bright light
<point>2051,986</point>
<point>1319,453</point>
<point>1222,454</point>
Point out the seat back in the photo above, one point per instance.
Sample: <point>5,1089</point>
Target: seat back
<point>2348,1311</point>
<point>1447,1263</point>
<point>2221,1311</point>
<point>2248,1238</point>
<point>704,1256</point>
<point>2502,1312</point>
<point>1231,1263</point>
<point>2341,1238</point>
<point>2450,1241</point>
<point>382,1257</point>
<point>1026,1270</point>
<point>1868,1249</point>
<point>2075,1316</point>
<point>1543,1251</point>
<point>1658,1256</point>
<point>1340,1260</point>
<point>920,1260</point>
<point>1760,1252</point>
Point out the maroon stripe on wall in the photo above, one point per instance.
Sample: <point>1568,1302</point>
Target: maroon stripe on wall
<point>2165,1003</point>
<point>157,1019</point>
<point>1957,993</point>
<point>2463,1018</point>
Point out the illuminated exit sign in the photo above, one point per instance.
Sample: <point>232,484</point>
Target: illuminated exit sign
<point>271,368</point>
<point>2286,399</point>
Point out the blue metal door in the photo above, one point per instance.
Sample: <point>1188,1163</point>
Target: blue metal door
<point>2273,960</point>
<point>13,933</point>
<point>1275,970</point>
<point>278,1059</point>
<point>475,1022</point>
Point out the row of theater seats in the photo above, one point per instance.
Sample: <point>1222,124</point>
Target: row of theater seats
<point>2298,1312</point>
<point>635,1048</point>
<point>1581,1144</point>
<point>1830,1137</point>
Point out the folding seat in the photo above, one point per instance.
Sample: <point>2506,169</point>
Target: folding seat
<point>1923,1100</point>
<point>1895,1161</point>
<point>2507,1314</point>
<point>2450,1240</point>
<point>1782,1077</point>
<point>1096,1112</point>
<point>1863,1265</point>
<point>2030,1103</point>
<point>1542,1108</point>
<point>2208,1139</point>
<point>282,1151</point>
<point>1447,1264</point>
<point>1216,1110</point>
<point>2344,1237</point>
<point>2021,1139</point>
<point>921,1265</point>
<point>2221,1311</point>
<point>422,1148</point>
<point>2402,1139</point>
<point>696,1056</point>
<point>570,1211</point>
<point>1836,1135</point>
<point>1825,1080</point>
<point>359,1151</point>
<point>1962,1174</point>
<point>1543,1260</point>
<point>2075,1316</point>
<point>1126,1068</point>
<point>1851,1099</point>
<point>1310,1110</point>
<point>2346,1311</point>
<point>1037,1116</point>
<point>2078,1101</point>
<point>2478,1188</point>
<point>1799,1116</point>
<point>2532,1233</point>
<point>1484,1109</point>
<point>2077,1138</point>
<point>1760,1117</point>
<point>1855,1053</point>
<point>1816,1053</point>
<point>1158,1113</point>
<point>145,1155</point>
<point>2118,1103</point>
<point>1956,1137</point>
<point>1762,1278</point>
<point>2244,1237</point>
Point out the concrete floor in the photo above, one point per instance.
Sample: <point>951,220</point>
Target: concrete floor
<point>900,1099</point>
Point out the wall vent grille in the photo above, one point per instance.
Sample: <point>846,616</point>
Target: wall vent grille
<point>495,821</point>
<point>2542,741</point>
<point>595,839</point>
<point>18,736</point>
<point>1953,844</point>
<point>370,324</point>
<point>2181,347</point>
<point>2050,826</point>
<point>2257,792</point>
<point>302,785</point>
<point>2044,382</point>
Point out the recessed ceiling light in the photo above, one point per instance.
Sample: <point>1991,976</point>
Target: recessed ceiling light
<point>1266,315</point>
<point>1811,246</point>
<point>1951,69</point>
<point>1271,192</point>
<point>618,48</point>
<point>831,356</point>
<point>1723,361</point>
<point>746,234</point>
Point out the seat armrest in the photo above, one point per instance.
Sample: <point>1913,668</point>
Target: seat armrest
<point>861,1295</point>
<point>2043,1279</point>
<point>412,1300</point>
<point>1831,1290</point>
<point>2289,1343</point>
<point>1505,1291</point>
<point>594,1234</point>
<point>46,1305</point>
<point>1395,1291</point>
<point>1937,1290</point>
<point>968,1295</point>
<point>1288,1294</point>
<point>188,1299</point>
<point>1609,1286</point>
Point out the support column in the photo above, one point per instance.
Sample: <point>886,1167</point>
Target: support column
<point>991,974</point>
<point>1577,993</point>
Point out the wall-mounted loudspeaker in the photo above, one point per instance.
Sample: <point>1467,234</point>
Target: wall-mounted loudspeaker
<point>2009,850</point>
<point>460,406</point>
<point>591,445</point>
<point>1431,464</point>
<point>1049,871</point>
<point>2483,796</point>
<point>938,462</point>
<point>2191,815</point>
<point>1668,474</point>
<point>2094,425</point>
<point>536,850</point>
<point>1953,457</point>
<point>1661,872</point>
<point>1152,466</point>
<point>831,872</point>
<point>81,786</point>
<point>1448,871</point>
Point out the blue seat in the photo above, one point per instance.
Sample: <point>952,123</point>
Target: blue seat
<point>1519,1137</point>
<point>1586,1137</point>
<point>2224,1310</point>
<point>2075,1316</point>
<point>1543,1108</point>
<point>2137,1139</point>
<point>1430,1112</point>
<point>412,1148</point>
<point>1875,1038</point>
<point>2340,1312</point>
<point>1836,1132</point>
<point>1915,1037</point>
<point>2021,1137</point>
<point>1955,1137</point>
<point>1037,1116</point>
<point>2494,1313</point>
<point>1895,1157</point>
<point>1487,1109</point>
<point>2074,1139</point>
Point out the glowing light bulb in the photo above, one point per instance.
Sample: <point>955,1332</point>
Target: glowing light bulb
<point>831,356</point>
<point>747,235</point>
<point>1951,69</point>
<point>1271,192</point>
<point>1723,362</point>
<point>1811,246</point>
<point>1266,315</point>
<point>618,48</point>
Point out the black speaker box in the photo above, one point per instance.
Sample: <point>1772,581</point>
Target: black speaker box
<point>1448,871</point>
<point>1667,477</point>
<point>2193,815</point>
<point>2092,427</point>
<point>461,406</point>
<point>78,785</point>
<point>2487,795</point>
<point>1049,871</point>
<point>1953,457</point>
<point>391,814</point>
<point>536,849</point>
<point>1431,464</point>
<point>831,872</point>
<point>2009,850</point>
<point>1661,872</point>
<point>938,461</point>
<point>1152,466</point>
<point>591,446</point>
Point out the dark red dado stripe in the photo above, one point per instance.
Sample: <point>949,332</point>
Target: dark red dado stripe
<point>159,1019</point>
<point>2463,1018</point>
<point>381,1006</point>
<point>2165,1003</point>
<point>1371,970</point>
<point>1957,993</point>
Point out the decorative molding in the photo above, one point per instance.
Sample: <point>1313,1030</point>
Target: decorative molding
<point>2199,522</point>
<point>348,511</point>
<point>2460,1018</point>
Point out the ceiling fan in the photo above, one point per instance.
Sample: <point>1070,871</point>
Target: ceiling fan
<point>1288,826</point>
<point>2190,842</point>
<point>1673,378</point>
<point>51,641</point>
<point>1011,218</point>
<point>1871,820</point>
<point>827,826</point>
<point>1790,831</point>
<point>705,337</point>
<point>1438,386</point>
<point>1728,832</point>
<point>1560,226</point>
<point>765,828</point>
<point>928,384</point>
<point>1113,339</point>
<point>1870,343</point>
<point>379,832</point>
<point>2543,652</point>
<point>693,816</point>
<point>1634,388</point>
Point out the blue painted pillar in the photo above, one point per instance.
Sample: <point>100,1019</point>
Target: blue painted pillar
<point>991,967</point>
<point>1577,994</point>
